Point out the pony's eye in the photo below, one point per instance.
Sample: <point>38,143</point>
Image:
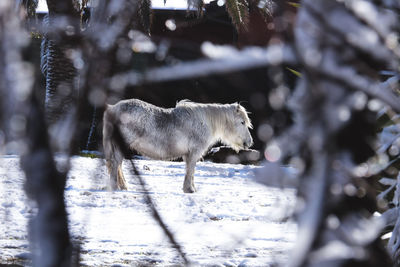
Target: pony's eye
<point>243,122</point>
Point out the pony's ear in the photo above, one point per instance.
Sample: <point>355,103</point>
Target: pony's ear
<point>237,106</point>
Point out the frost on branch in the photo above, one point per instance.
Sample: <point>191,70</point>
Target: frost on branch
<point>342,47</point>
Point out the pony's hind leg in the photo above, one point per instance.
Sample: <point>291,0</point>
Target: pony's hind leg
<point>113,171</point>
<point>121,182</point>
<point>117,179</point>
<point>113,154</point>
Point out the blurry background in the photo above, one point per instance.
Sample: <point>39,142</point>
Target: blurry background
<point>178,34</point>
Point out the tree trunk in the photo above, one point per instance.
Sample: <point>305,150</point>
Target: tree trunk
<point>58,47</point>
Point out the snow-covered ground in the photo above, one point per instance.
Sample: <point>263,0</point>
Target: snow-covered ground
<point>230,221</point>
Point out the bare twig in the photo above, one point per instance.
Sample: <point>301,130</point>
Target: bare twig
<point>156,215</point>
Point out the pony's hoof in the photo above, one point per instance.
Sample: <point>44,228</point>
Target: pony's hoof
<point>122,187</point>
<point>189,190</point>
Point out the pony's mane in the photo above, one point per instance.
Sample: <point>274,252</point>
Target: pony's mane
<point>189,103</point>
<point>184,102</point>
<point>194,105</point>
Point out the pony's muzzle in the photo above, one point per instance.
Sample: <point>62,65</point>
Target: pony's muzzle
<point>247,144</point>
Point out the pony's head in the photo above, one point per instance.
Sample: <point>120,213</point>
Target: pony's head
<point>237,134</point>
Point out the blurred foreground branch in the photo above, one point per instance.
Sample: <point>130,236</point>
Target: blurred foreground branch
<point>223,59</point>
<point>44,185</point>
<point>334,125</point>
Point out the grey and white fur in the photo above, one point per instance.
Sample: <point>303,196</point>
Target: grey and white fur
<point>186,131</point>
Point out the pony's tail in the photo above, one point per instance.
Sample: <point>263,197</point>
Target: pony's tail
<point>112,151</point>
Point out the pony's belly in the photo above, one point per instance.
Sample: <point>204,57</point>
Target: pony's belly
<point>160,151</point>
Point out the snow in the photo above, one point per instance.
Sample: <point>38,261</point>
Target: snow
<point>230,221</point>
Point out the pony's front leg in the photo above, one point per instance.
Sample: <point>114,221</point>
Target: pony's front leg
<point>188,184</point>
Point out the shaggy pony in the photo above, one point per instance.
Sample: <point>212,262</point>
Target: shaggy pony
<point>186,131</point>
